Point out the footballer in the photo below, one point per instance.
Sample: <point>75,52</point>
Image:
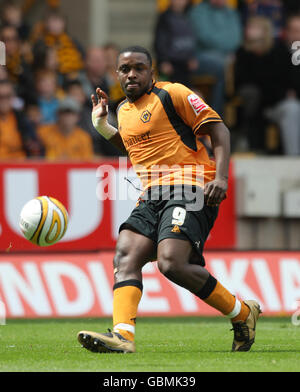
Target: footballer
<point>159,125</point>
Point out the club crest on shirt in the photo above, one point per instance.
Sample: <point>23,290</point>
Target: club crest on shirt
<point>145,117</point>
<point>196,103</point>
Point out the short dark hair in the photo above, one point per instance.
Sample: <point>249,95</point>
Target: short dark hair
<point>70,83</point>
<point>137,49</point>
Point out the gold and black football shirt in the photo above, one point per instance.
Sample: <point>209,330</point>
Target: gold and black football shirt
<point>159,131</point>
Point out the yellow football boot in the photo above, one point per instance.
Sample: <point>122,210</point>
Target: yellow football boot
<point>110,342</point>
<point>244,331</point>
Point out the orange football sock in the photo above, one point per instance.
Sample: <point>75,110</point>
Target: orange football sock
<point>127,296</point>
<point>243,315</point>
<point>221,299</point>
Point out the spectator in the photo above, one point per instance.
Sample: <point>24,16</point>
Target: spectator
<point>3,73</point>
<point>175,44</point>
<point>47,59</point>
<point>162,5</point>
<point>271,9</point>
<point>28,4</point>
<point>287,112</point>
<point>53,35</point>
<point>100,145</point>
<point>17,64</point>
<point>259,67</point>
<point>17,136</point>
<point>94,74</point>
<point>291,7</point>
<point>65,140</point>
<point>74,90</point>
<point>218,34</point>
<point>34,114</point>
<point>116,94</point>
<point>46,87</point>
<point>12,15</point>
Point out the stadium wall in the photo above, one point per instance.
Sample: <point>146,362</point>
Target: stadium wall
<point>97,197</point>
<point>126,23</point>
<point>80,285</point>
<point>261,212</point>
<point>74,278</point>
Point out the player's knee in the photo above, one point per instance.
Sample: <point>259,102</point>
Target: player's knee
<point>168,266</point>
<point>124,263</point>
<point>121,258</point>
<point>122,250</point>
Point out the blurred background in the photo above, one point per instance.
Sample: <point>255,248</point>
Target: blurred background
<point>239,55</point>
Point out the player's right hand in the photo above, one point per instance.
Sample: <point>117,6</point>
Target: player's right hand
<point>215,192</point>
<point>100,104</point>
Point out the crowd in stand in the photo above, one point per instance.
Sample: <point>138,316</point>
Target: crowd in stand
<point>245,51</point>
<point>46,85</point>
<point>247,48</point>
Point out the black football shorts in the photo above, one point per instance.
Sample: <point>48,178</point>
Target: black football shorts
<point>173,217</point>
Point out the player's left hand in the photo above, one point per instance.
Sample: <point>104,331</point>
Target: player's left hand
<point>215,192</point>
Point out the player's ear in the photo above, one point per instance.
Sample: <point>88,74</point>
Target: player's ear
<point>153,75</point>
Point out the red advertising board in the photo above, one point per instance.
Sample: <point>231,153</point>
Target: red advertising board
<point>98,199</point>
<point>68,285</point>
<point>74,185</point>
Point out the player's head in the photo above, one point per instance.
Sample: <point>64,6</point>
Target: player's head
<point>135,71</point>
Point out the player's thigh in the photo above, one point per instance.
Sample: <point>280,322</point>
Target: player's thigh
<point>133,251</point>
<point>192,226</point>
<point>173,254</point>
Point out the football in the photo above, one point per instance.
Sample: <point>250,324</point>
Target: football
<point>43,221</point>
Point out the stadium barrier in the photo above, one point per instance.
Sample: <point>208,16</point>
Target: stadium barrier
<point>95,214</point>
<point>80,285</point>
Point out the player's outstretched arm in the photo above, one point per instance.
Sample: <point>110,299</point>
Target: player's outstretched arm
<point>215,191</point>
<point>99,119</point>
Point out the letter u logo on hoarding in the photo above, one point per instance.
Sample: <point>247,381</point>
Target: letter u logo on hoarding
<point>22,185</point>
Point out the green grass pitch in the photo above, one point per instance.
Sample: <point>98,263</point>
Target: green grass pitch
<point>163,344</point>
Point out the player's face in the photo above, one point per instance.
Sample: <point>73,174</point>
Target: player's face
<point>135,74</point>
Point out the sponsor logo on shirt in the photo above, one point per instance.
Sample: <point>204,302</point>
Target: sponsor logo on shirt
<point>136,139</point>
<point>196,103</point>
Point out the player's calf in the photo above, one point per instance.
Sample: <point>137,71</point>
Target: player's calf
<point>242,314</point>
<point>173,263</point>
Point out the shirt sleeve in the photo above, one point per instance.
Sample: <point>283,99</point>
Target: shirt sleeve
<point>192,108</point>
